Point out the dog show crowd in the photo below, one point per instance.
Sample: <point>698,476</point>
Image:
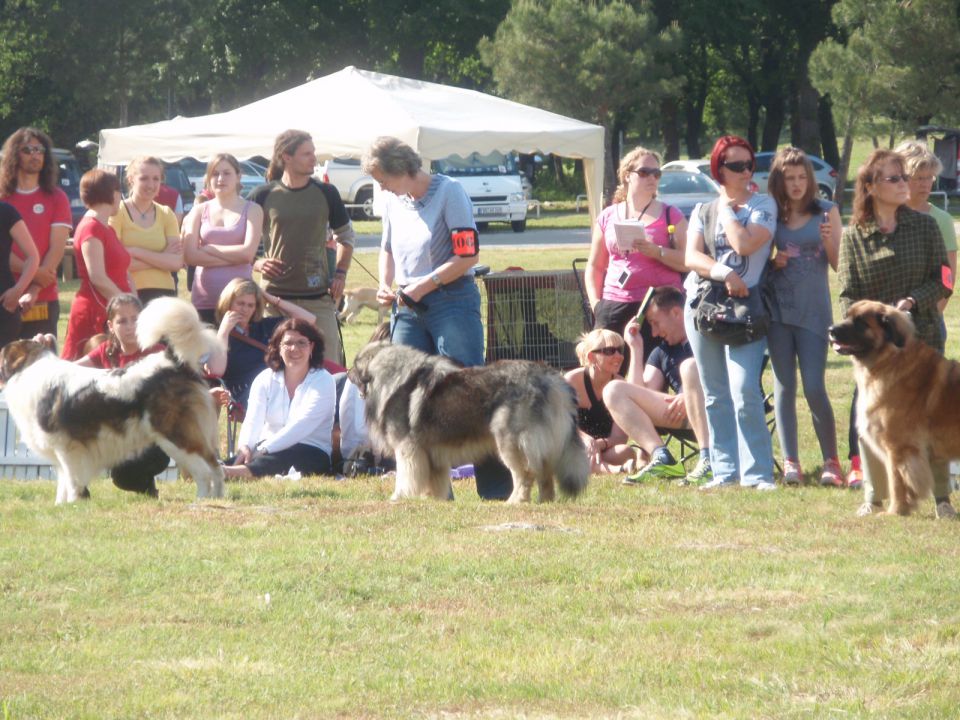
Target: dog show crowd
<point>267,273</point>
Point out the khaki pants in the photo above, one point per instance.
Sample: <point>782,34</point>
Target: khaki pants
<point>326,311</point>
<point>876,485</point>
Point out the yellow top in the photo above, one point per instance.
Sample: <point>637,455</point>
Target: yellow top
<point>152,238</point>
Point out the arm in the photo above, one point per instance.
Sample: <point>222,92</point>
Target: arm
<point>344,239</point>
<point>288,309</point>
<point>848,276</point>
<point>705,266</point>
<point>634,340</point>
<point>672,257</point>
<point>313,406</point>
<point>386,268</point>
<point>256,413</point>
<point>929,292</point>
<point>830,232</point>
<point>47,271</point>
<point>451,270</point>
<point>168,259</point>
<point>744,239</point>
<point>11,298</point>
<point>221,255</point>
<point>596,268</point>
<point>92,251</point>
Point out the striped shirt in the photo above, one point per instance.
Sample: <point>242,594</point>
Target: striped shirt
<point>888,268</point>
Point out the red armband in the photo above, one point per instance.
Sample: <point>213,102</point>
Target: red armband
<point>465,242</point>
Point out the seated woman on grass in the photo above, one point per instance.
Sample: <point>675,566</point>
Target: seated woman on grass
<point>289,420</point>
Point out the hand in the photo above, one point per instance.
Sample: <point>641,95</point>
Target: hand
<point>780,261</point>
<point>10,300</point>
<point>231,319</point>
<point>44,276</point>
<point>905,304</point>
<point>736,287</point>
<point>27,300</point>
<point>337,286</point>
<point>825,230</point>
<point>386,296</point>
<point>220,395</point>
<point>633,338</point>
<point>271,268</point>
<point>244,456</point>
<point>174,245</point>
<point>647,248</point>
<point>676,409</point>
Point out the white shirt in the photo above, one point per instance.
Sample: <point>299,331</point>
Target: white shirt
<point>275,422</point>
<point>353,428</point>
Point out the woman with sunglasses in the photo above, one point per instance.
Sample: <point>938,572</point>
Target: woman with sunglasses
<point>601,354</point>
<point>894,255</point>
<point>617,279</point>
<point>808,241</point>
<point>289,421</point>
<point>740,448</point>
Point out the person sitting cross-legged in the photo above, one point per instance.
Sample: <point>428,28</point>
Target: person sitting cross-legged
<point>641,403</point>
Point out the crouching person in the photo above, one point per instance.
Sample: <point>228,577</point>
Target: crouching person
<point>642,403</point>
<point>289,420</point>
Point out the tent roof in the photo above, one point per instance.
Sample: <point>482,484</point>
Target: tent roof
<point>345,111</point>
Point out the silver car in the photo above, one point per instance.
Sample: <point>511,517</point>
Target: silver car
<point>825,175</point>
<point>685,188</point>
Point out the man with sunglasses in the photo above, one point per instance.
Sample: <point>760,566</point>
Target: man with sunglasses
<point>28,181</point>
<point>643,402</point>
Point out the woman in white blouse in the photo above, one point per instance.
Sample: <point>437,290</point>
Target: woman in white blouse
<point>290,410</point>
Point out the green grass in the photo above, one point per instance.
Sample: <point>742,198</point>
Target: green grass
<point>630,602</point>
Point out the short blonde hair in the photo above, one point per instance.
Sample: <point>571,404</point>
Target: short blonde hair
<point>917,156</point>
<point>391,156</point>
<point>234,289</point>
<point>597,339</point>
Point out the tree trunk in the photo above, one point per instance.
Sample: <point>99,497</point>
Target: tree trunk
<point>753,121</point>
<point>774,122</point>
<point>804,118</point>
<point>609,166</point>
<point>669,116</point>
<point>557,169</point>
<point>839,196</point>
<point>828,132</point>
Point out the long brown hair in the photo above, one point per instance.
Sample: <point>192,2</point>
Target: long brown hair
<point>868,174</point>
<point>287,143</point>
<point>11,161</point>
<point>777,188</point>
<point>629,163</point>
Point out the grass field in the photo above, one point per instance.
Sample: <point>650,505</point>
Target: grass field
<point>318,599</point>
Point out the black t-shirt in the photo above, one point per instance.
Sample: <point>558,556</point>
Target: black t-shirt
<point>8,218</point>
<point>244,361</point>
<point>667,359</point>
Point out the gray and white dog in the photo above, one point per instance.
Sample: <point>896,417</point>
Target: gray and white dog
<point>433,415</point>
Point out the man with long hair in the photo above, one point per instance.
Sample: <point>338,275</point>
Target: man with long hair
<point>298,213</point>
<point>28,181</point>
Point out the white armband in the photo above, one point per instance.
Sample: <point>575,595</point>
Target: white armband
<point>719,272</point>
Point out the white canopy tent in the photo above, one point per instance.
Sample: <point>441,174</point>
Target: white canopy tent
<point>345,111</point>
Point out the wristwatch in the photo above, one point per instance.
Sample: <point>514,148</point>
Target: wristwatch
<point>436,280</point>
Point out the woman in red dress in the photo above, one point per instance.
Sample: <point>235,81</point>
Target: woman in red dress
<point>102,261</point>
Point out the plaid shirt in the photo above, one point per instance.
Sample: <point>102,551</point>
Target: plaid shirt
<point>888,268</point>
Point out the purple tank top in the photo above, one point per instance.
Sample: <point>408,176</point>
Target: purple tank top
<point>209,282</point>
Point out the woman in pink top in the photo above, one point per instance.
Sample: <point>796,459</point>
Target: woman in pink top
<point>221,236</point>
<point>616,280</point>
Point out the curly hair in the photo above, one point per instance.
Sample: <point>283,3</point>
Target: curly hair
<point>629,163</point>
<point>308,330</point>
<point>11,160</point>
<point>391,156</point>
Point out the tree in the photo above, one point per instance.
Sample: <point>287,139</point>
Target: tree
<point>589,60</point>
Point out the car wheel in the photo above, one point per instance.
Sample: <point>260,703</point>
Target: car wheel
<point>365,199</point>
<point>518,225</point>
<point>825,192</point>
<point>482,225</point>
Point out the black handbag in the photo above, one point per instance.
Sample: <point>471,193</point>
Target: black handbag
<point>717,315</point>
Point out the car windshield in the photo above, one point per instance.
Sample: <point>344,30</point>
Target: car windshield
<point>684,183</point>
<point>477,164</point>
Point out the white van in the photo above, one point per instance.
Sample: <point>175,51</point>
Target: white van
<point>494,185</point>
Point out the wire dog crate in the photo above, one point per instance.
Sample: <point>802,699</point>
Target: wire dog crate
<point>534,316</point>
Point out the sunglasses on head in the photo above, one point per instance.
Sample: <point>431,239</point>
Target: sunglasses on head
<point>894,179</point>
<point>647,172</point>
<point>608,351</point>
<point>738,166</point>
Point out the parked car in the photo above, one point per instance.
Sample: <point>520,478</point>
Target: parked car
<point>494,184</point>
<point>69,179</point>
<point>825,175</point>
<point>701,166</point>
<point>175,177</point>
<point>252,175</point>
<point>356,188</point>
<point>685,188</point>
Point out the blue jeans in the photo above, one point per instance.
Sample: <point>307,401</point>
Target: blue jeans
<point>450,326</point>
<point>740,445</point>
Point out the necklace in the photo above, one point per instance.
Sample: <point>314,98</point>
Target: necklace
<point>645,207</point>
<point>142,213</point>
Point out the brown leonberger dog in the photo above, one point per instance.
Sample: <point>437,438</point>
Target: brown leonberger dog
<point>908,406</point>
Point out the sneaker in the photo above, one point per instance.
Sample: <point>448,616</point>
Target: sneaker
<point>792,474</point>
<point>663,466</point>
<point>831,475</point>
<point>701,473</point>
<point>765,485</point>
<point>719,483</point>
<point>868,509</point>
<point>946,511</point>
<point>855,479</point>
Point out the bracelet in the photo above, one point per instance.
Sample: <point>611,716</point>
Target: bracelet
<point>340,272</point>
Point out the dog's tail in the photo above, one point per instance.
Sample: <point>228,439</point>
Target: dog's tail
<point>573,470</point>
<point>176,323</point>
